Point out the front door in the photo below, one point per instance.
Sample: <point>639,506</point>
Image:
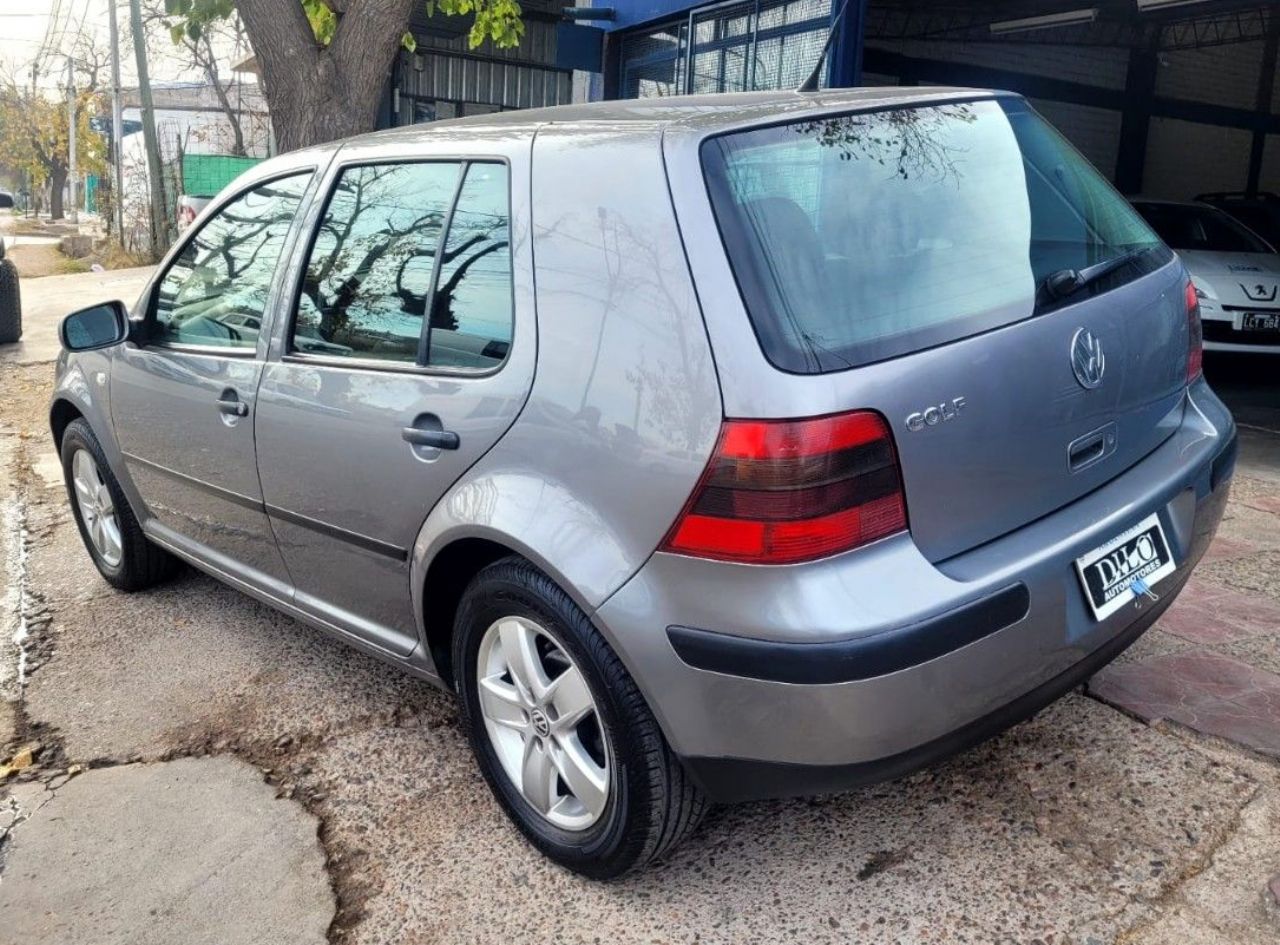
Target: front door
<point>401,366</point>
<point>182,402</point>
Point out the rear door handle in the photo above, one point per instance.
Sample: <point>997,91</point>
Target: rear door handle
<point>436,439</point>
<point>233,406</point>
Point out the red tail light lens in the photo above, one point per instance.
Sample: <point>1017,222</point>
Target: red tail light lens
<point>782,491</point>
<point>1195,353</point>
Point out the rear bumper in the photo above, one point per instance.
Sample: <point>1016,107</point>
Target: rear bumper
<point>818,677</point>
<point>738,779</point>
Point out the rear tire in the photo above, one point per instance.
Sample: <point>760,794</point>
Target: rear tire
<point>124,556</point>
<point>651,804</point>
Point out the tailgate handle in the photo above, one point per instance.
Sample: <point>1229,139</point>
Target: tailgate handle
<point>1092,448</point>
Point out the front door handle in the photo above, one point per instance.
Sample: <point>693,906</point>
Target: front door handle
<point>436,439</point>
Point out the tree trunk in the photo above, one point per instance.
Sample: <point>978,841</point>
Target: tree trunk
<point>57,181</point>
<point>318,94</point>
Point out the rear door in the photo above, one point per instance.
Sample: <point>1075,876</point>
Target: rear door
<point>408,353</point>
<point>897,260</point>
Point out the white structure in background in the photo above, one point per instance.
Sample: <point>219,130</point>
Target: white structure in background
<point>189,119</point>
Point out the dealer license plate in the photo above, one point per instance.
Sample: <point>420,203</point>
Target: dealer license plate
<point>1109,571</point>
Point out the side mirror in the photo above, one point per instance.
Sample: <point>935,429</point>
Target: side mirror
<point>100,326</point>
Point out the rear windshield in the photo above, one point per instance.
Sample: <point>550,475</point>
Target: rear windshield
<point>1200,228</point>
<point>856,238</point>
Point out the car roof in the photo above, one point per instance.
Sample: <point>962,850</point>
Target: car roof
<point>695,115</point>
<point>720,110</point>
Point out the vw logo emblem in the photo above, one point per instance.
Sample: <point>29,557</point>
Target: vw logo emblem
<point>1087,360</point>
<point>541,724</point>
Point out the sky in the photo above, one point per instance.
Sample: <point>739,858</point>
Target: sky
<point>48,28</point>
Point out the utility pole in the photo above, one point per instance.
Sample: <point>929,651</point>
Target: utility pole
<point>71,140</point>
<point>117,125</point>
<point>159,213</point>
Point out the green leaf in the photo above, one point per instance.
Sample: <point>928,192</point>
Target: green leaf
<point>496,20</point>
<point>408,42</point>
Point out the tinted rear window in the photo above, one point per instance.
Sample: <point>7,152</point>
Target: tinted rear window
<point>856,238</point>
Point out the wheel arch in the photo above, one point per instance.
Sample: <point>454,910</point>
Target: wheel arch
<point>492,516</point>
<point>445,578</point>
<point>61,414</point>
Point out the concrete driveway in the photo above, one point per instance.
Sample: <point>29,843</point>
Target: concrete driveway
<point>1089,824</point>
<point>46,301</point>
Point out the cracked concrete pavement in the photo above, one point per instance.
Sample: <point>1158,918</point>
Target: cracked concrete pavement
<point>90,846</point>
<point>1084,825</point>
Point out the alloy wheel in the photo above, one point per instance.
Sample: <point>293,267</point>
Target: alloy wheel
<point>97,508</point>
<point>543,723</point>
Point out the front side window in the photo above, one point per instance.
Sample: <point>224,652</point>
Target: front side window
<point>215,292</point>
<point>377,284</point>
<point>856,238</point>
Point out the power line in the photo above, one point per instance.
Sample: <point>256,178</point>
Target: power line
<point>49,31</point>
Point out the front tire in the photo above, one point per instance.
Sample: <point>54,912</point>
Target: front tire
<point>110,531</point>
<point>560,730</point>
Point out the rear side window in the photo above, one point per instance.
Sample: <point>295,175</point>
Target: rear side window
<point>470,323</point>
<point>411,264</point>
<point>856,238</point>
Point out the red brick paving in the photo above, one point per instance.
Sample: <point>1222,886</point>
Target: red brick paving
<point>1263,503</point>
<point>1224,549</point>
<point>1208,615</point>
<point>1202,689</point>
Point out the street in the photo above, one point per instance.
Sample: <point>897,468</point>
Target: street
<point>206,769</point>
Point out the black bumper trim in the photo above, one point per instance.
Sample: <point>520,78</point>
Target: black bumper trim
<point>1224,464</point>
<point>730,780</point>
<point>858,658</point>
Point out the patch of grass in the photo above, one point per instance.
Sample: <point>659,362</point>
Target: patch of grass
<point>115,256</point>
<point>67,266</point>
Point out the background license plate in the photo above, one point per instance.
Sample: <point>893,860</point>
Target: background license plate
<point>1261,321</point>
<point>1108,570</point>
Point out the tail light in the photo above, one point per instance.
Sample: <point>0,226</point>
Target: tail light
<point>782,491</point>
<point>1195,332</point>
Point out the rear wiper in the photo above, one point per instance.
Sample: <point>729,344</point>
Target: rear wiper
<point>1065,282</point>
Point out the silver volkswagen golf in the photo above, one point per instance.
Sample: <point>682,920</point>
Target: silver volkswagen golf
<point>709,448</point>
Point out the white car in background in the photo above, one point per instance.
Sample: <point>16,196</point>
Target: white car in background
<point>1236,273</point>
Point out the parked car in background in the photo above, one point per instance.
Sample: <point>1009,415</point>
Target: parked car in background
<point>1259,211</point>
<point>189,207</point>
<point>1236,273</point>
<point>709,448</point>
<point>6,200</point>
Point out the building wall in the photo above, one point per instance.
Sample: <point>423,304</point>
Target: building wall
<point>445,78</point>
<point>1183,157</point>
<point>1103,67</point>
<point>1220,75</point>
